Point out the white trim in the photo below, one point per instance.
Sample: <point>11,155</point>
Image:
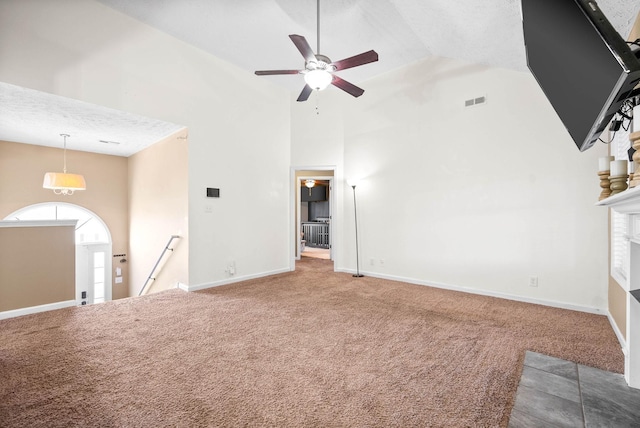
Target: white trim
<point>551,303</point>
<point>182,286</point>
<point>231,280</point>
<point>35,309</point>
<point>621,339</point>
<point>620,247</point>
<point>37,223</point>
<point>618,276</point>
<point>626,202</point>
<point>41,204</point>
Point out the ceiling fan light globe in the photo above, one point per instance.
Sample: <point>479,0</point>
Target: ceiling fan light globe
<point>318,79</point>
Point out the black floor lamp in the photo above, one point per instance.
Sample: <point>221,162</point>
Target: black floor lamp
<point>355,214</point>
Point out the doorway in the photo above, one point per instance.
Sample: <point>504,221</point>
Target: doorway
<point>92,275</point>
<point>93,247</point>
<point>314,214</point>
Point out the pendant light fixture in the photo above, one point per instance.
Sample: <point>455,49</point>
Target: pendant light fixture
<point>310,184</point>
<point>63,183</point>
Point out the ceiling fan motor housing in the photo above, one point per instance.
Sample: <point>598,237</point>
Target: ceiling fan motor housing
<point>322,63</point>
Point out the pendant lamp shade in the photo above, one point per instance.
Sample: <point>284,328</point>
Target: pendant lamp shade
<point>63,183</point>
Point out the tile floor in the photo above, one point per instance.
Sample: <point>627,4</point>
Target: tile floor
<point>316,253</point>
<point>559,393</point>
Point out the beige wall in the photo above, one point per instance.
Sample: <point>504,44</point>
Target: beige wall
<point>22,168</point>
<point>617,296</point>
<point>158,208</point>
<point>37,265</point>
<point>618,306</point>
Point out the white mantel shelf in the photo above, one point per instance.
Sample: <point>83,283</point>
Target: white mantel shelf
<point>627,202</point>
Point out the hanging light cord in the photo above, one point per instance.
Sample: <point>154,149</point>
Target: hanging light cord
<point>64,155</point>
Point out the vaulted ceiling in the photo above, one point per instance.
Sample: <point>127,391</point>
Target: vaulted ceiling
<point>253,34</point>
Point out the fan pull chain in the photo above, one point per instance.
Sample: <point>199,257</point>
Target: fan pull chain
<point>317,102</point>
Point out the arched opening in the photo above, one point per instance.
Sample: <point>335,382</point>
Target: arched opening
<point>93,247</point>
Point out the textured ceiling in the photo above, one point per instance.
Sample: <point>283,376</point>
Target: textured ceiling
<point>253,34</point>
<point>35,117</point>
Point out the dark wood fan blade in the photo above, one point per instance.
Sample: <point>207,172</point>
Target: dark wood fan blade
<point>349,88</point>
<point>304,95</point>
<point>303,46</point>
<point>273,72</point>
<point>354,61</point>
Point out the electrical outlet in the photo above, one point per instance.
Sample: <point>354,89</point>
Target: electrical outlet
<point>231,268</point>
<point>533,281</point>
<point>381,262</point>
<point>372,261</point>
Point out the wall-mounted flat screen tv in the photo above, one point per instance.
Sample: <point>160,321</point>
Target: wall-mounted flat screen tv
<point>584,67</point>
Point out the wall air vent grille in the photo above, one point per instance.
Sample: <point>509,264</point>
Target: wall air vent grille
<point>475,101</point>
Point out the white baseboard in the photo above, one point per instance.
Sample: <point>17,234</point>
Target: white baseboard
<point>35,309</point>
<point>621,338</point>
<point>551,303</point>
<point>231,280</point>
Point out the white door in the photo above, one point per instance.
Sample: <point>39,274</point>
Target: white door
<point>93,273</point>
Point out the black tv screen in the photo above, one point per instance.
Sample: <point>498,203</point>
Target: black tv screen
<point>584,67</point>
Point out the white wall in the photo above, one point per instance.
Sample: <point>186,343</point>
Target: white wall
<point>317,140</point>
<point>239,127</point>
<point>481,198</point>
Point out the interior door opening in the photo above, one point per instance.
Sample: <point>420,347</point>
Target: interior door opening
<point>314,214</point>
<point>315,218</point>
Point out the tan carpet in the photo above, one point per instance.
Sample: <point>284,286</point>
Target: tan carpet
<point>307,348</point>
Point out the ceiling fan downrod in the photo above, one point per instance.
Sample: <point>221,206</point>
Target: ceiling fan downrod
<point>318,25</point>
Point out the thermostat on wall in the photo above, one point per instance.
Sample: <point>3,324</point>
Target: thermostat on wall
<point>213,193</point>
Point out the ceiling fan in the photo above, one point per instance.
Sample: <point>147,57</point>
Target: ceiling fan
<point>319,70</point>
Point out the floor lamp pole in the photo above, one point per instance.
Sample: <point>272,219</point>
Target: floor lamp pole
<point>355,215</point>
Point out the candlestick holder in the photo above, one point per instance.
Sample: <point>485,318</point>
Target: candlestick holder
<point>605,184</point>
<point>618,183</point>
<point>635,142</point>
